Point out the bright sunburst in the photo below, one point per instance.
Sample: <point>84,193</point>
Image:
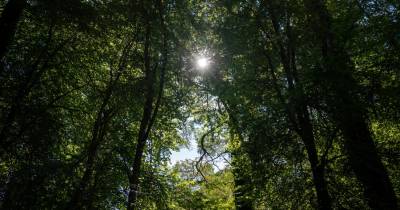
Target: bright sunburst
<point>203,62</point>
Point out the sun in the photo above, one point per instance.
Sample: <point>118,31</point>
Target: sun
<point>203,62</point>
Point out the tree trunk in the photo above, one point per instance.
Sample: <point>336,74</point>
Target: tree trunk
<point>8,23</point>
<point>98,133</point>
<point>241,178</point>
<point>317,168</point>
<point>149,113</point>
<point>304,129</point>
<point>143,130</point>
<point>242,200</point>
<point>348,112</point>
<point>297,109</point>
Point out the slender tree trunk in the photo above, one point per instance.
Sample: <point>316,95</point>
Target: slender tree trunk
<point>348,112</point>
<point>78,196</point>
<point>90,202</point>
<point>8,23</point>
<point>297,109</point>
<point>149,113</point>
<point>317,168</point>
<point>98,133</point>
<point>242,200</point>
<point>143,130</point>
<point>103,118</point>
<point>242,180</point>
<point>302,123</point>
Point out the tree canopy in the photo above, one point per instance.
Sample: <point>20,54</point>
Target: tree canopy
<point>291,104</point>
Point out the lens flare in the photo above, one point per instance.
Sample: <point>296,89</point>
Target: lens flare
<point>202,63</point>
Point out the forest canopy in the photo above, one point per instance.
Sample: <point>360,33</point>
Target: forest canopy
<point>290,104</point>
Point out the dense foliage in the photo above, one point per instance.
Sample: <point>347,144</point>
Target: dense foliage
<point>300,99</point>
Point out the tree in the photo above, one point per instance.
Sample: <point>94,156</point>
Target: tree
<point>8,23</point>
<point>348,113</point>
<point>299,99</point>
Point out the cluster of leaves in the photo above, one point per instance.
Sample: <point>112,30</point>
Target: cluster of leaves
<point>270,65</point>
<point>72,93</point>
<point>201,190</point>
<point>302,94</point>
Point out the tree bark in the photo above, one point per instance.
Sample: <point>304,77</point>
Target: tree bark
<point>296,109</point>
<point>299,117</point>
<point>8,23</point>
<point>318,169</point>
<point>98,133</point>
<point>143,134</point>
<point>103,118</point>
<point>242,191</point>
<point>347,111</point>
<point>149,113</point>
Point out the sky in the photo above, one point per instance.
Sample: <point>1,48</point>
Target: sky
<point>185,153</point>
<point>191,153</point>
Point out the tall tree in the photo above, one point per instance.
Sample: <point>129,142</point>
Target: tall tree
<point>8,23</point>
<point>149,112</point>
<point>347,110</point>
<point>297,109</point>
